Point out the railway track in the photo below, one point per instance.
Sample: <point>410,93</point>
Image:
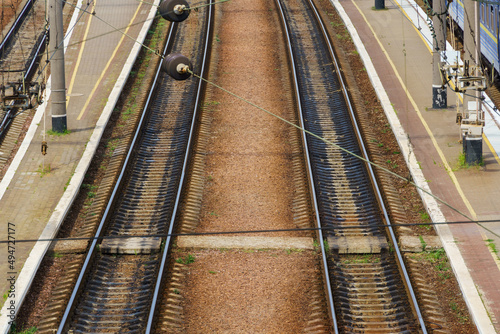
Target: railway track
<point>349,203</point>
<point>18,44</point>
<point>114,290</point>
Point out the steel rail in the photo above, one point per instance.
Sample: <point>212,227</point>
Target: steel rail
<point>370,169</point>
<point>199,92</point>
<point>5,122</point>
<point>331,309</point>
<point>371,173</point>
<point>116,189</point>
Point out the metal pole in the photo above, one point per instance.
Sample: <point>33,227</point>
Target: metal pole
<point>472,129</point>
<point>439,91</point>
<point>56,52</point>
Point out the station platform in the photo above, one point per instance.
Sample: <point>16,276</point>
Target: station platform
<point>37,190</point>
<point>394,45</point>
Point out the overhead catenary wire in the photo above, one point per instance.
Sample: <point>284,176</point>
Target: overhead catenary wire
<point>50,53</point>
<point>13,48</point>
<point>298,230</point>
<point>84,10</point>
<point>328,142</point>
<point>290,123</point>
<point>197,5</point>
<point>459,95</point>
<point>446,61</point>
<point>42,72</point>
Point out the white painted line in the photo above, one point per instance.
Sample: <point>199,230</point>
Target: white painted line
<point>32,263</point>
<point>467,286</point>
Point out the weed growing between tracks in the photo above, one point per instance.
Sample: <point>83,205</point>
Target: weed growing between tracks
<point>438,274</point>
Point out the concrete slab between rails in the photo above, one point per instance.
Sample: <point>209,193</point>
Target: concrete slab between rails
<point>211,241</point>
<point>357,244</point>
<point>70,246</point>
<point>462,274</point>
<point>132,245</point>
<point>408,243</point>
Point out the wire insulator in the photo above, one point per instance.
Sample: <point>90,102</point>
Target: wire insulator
<point>44,147</point>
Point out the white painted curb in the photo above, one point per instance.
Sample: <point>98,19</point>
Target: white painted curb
<point>471,295</point>
<point>32,263</point>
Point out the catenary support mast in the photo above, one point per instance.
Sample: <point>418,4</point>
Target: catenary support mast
<point>56,52</point>
<point>439,91</point>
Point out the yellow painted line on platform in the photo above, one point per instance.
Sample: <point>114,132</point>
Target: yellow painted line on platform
<point>431,136</point>
<point>108,64</point>
<point>78,60</point>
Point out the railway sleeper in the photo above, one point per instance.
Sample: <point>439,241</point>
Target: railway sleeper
<point>92,306</point>
<point>375,312</point>
<point>360,289</point>
<point>355,300</point>
<point>131,245</point>
<point>104,316</point>
<point>367,279</point>
<point>408,330</point>
<point>105,303</point>
<point>111,285</point>
<point>358,245</point>
<point>116,327</point>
